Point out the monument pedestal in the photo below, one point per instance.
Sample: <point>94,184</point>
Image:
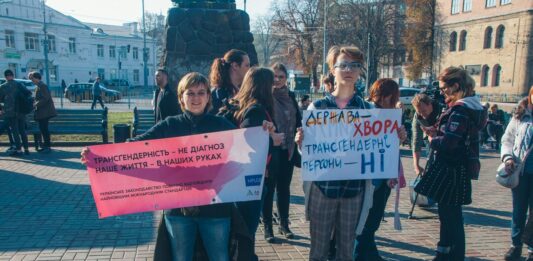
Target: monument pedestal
<point>195,36</point>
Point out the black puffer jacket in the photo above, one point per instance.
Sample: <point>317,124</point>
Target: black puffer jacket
<point>9,92</point>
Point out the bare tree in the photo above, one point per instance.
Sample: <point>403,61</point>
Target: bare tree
<point>375,26</point>
<point>299,23</point>
<point>266,42</point>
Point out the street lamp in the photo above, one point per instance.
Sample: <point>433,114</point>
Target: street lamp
<point>145,53</point>
<point>325,44</point>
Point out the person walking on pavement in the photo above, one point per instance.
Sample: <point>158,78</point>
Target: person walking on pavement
<point>97,94</point>
<point>10,93</point>
<point>44,109</point>
<point>516,148</point>
<point>165,99</point>
<point>226,76</point>
<point>455,142</point>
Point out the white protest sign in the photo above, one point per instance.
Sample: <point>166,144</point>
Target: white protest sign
<point>350,144</point>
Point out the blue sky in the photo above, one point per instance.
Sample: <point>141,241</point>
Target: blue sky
<point>122,11</point>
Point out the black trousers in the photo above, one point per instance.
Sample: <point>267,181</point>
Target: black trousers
<point>279,180</point>
<point>4,127</point>
<point>18,130</point>
<point>452,231</point>
<point>366,248</point>
<point>45,133</point>
<point>99,99</point>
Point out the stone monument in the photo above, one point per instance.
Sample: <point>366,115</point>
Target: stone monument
<point>199,31</point>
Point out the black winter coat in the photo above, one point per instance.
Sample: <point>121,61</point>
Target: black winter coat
<point>165,104</point>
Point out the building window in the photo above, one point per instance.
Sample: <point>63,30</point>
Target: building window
<point>72,45</point>
<point>123,53</point>
<point>10,39</point>
<point>487,42</point>
<point>136,75</point>
<point>485,75</point>
<point>51,43</point>
<point>496,75</point>
<point>462,41</point>
<point>467,5</point>
<point>505,2</point>
<point>31,41</point>
<point>147,54</point>
<point>453,42</point>
<point>500,32</point>
<point>100,50</point>
<point>101,73</point>
<point>53,73</point>
<point>135,53</point>
<point>456,6</point>
<point>112,52</point>
<point>490,3</point>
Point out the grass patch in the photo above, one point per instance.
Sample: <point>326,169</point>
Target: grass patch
<point>113,118</point>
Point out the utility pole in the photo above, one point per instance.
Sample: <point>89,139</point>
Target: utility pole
<point>432,39</point>
<point>367,63</point>
<point>325,43</point>
<point>245,5</point>
<point>45,44</point>
<point>145,52</point>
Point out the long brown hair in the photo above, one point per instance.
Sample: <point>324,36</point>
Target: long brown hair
<point>256,88</point>
<point>382,88</point>
<point>219,75</point>
<point>453,75</point>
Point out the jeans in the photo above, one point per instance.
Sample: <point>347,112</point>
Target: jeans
<point>366,248</point>
<point>522,200</point>
<point>452,231</point>
<point>214,232</point>
<point>45,133</point>
<point>279,180</point>
<point>99,99</point>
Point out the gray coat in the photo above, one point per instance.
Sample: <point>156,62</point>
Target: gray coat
<point>515,140</point>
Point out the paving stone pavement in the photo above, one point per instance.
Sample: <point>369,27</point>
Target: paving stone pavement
<point>47,213</point>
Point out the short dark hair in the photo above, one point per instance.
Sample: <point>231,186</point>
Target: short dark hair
<point>36,75</point>
<point>8,73</point>
<point>163,71</point>
<point>304,98</point>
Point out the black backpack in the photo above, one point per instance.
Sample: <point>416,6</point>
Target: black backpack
<point>25,101</point>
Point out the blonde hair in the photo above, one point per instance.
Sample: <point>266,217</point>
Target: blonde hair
<point>191,80</point>
<point>350,51</point>
<point>453,75</point>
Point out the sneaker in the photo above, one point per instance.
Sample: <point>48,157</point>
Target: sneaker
<point>284,229</point>
<point>14,153</point>
<point>442,257</point>
<point>513,253</point>
<point>44,150</point>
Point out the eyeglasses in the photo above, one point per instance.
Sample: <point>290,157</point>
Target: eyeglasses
<point>348,66</point>
<point>443,88</point>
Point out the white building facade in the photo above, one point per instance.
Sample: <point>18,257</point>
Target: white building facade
<point>77,51</point>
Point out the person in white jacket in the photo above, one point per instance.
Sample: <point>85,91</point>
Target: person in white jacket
<point>517,141</point>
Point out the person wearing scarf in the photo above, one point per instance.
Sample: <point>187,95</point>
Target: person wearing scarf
<point>287,119</point>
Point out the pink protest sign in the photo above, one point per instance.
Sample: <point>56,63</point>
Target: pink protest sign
<point>178,172</point>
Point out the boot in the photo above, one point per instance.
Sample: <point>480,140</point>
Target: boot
<point>284,228</point>
<point>513,253</point>
<point>269,233</point>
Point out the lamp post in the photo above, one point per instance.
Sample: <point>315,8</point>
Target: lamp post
<point>45,44</point>
<point>145,53</point>
<point>325,44</point>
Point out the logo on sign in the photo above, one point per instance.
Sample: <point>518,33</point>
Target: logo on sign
<point>253,180</point>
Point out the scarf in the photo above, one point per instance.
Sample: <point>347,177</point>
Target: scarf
<point>285,117</point>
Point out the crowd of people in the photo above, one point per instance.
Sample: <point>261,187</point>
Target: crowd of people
<point>344,215</point>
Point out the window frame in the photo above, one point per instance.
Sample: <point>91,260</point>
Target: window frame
<point>456,7</point>
<point>51,43</point>
<point>490,3</point>
<point>100,51</point>
<point>31,40</point>
<point>10,39</point>
<point>467,6</point>
<point>112,52</point>
<point>72,45</point>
